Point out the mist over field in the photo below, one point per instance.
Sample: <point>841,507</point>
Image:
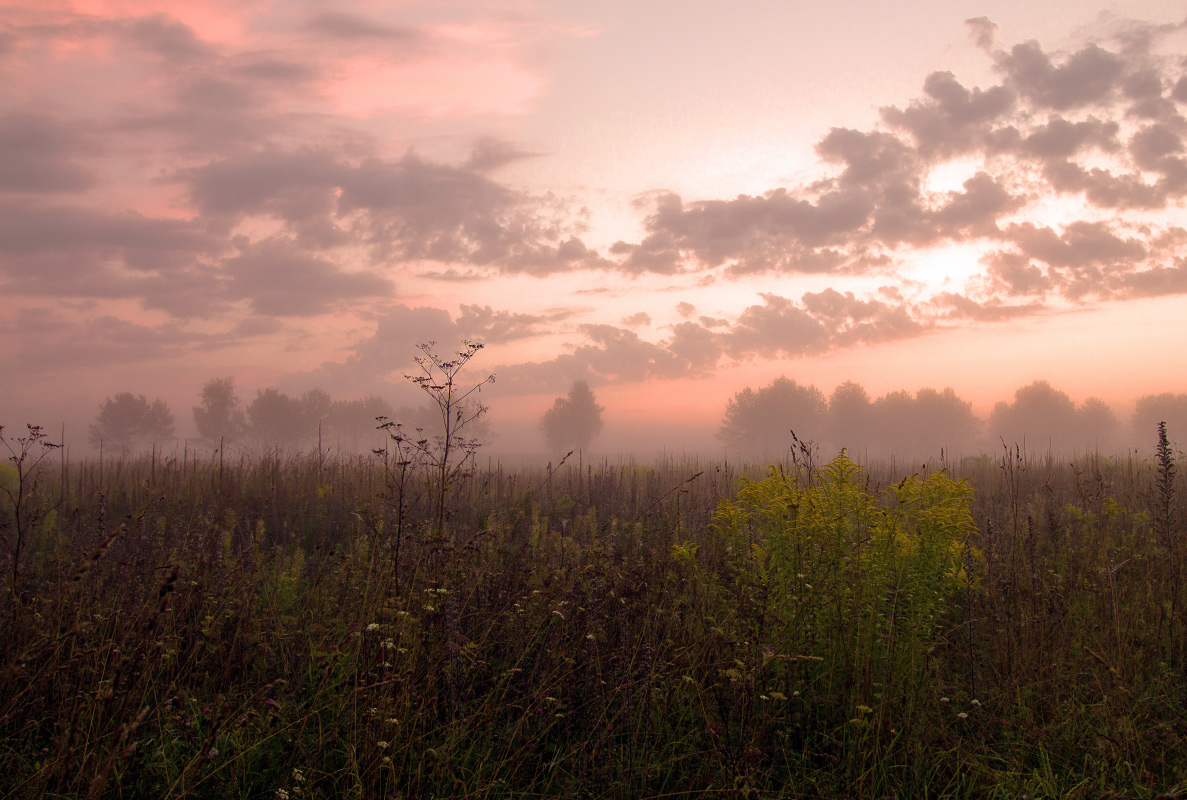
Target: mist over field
<point>756,424</point>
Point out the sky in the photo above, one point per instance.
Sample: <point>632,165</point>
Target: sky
<point>669,200</point>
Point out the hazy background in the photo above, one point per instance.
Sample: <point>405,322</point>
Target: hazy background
<point>669,201</point>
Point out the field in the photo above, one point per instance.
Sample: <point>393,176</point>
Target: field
<point>331,626</point>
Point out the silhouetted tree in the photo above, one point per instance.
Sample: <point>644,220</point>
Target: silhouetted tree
<point>127,421</point>
<point>315,408</point>
<point>354,423</point>
<point>219,418</point>
<point>1041,417</point>
<point>276,419</point>
<point>895,423</point>
<point>1154,408</point>
<point>850,417</point>
<point>1097,427</point>
<point>943,421</point>
<point>760,423</point>
<point>573,421</point>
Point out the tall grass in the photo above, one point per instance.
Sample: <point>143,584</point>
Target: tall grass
<point>297,626</point>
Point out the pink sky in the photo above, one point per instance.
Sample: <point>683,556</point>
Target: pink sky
<point>670,200</point>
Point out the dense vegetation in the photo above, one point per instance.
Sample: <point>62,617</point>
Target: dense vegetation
<point>324,627</point>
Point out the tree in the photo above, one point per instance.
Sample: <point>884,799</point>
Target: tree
<point>1046,418</point>
<point>355,423</point>
<point>574,421</point>
<point>276,419</point>
<point>760,423</point>
<point>219,418</point>
<point>1155,408</point>
<point>127,420</point>
<point>943,421</point>
<point>1097,426</point>
<point>850,417</point>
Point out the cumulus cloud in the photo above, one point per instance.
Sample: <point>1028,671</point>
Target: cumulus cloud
<point>1098,126</point>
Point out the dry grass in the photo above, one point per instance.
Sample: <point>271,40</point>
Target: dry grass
<point>193,629</point>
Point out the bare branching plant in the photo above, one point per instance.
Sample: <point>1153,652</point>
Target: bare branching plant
<point>26,454</point>
<point>448,453</point>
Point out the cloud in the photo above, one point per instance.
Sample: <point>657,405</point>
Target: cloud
<point>1088,77</point>
<point>279,278</point>
<point>953,119</point>
<point>1081,244</point>
<point>953,306</point>
<point>490,154</point>
<point>42,341</point>
<point>386,355</point>
<point>983,31</point>
<point>776,329</point>
<point>63,251</point>
<point>404,210</point>
<point>38,155</point>
<point>353,28</point>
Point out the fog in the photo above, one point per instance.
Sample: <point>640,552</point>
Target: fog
<point>756,425</point>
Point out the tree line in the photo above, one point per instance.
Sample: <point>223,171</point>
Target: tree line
<point>758,423</point>
<point>127,422</point>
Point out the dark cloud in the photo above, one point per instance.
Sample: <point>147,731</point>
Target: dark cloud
<point>490,154</point>
<point>774,232</point>
<point>777,328</point>
<point>387,355</point>
<point>850,320</point>
<point>273,69</point>
<point>634,320</point>
<point>454,276</point>
<point>1059,139</point>
<point>975,211</point>
<point>611,355</point>
<point>417,210</point>
<point>1179,93</point>
<point>957,306</point>
<point>953,119</point>
<point>982,30</point>
<point>408,210</point>
<point>1016,275</point>
<point>484,324</point>
<point>352,28</point>
<point>1155,282</point>
<point>64,251</point>
<point>164,36</point>
<point>1055,124</point>
<point>1082,244</point>
<point>1155,147</point>
<point>41,341</point>
<point>38,155</point>
<point>297,187</point>
<point>1086,78</point>
<point>697,346</point>
<point>281,279</point>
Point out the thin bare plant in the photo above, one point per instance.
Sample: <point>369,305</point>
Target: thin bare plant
<point>448,455</point>
<point>26,453</point>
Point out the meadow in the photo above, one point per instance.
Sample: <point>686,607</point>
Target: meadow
<point>323,625</point>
